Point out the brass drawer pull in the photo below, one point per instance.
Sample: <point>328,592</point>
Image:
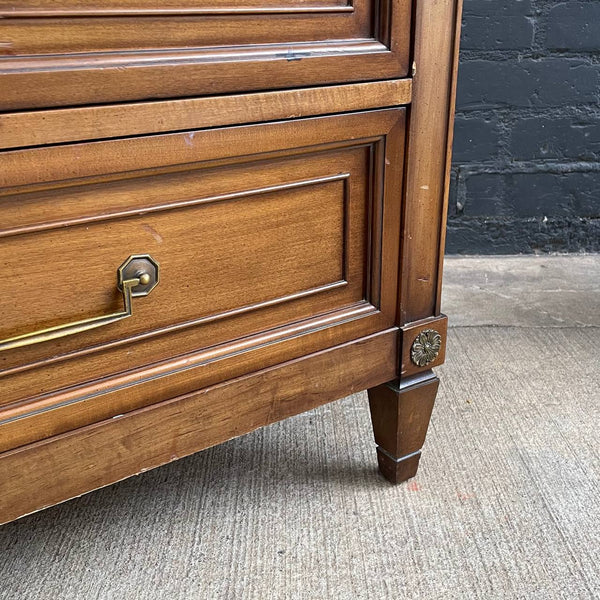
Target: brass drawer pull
<point>137,276</point>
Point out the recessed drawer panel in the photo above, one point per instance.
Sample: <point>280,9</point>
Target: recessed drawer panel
<point>270,241</point>
<point>69,53</point>
<point>218,255</point>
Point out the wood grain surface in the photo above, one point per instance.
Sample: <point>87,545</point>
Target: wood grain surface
<point>39,475</point>
<point>436,38</point>
<point>257,152</point>
<point>400,415</point>
<point>262,259</point>
<point>39,127</point>
<point>431,120</point>
<point>64,54</point>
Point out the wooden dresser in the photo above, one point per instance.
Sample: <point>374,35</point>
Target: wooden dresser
<point>213,216</point>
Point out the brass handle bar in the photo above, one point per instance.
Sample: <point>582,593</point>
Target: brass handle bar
<point>144,279</point>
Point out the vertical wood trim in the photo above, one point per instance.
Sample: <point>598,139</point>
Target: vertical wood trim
<point>457,21</point>
<point>430,121</point>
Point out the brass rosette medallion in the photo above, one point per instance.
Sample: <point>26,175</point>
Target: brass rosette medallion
<point>426,347</point>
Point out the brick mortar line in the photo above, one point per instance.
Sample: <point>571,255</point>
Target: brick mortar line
<point>520,54</point>
<point>504,326</point>
<point>525,167</point>
<point>512,113</point>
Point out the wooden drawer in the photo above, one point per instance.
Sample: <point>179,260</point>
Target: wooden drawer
<point>298,263</point>
<point>80,52</point>
<point>273,240</point>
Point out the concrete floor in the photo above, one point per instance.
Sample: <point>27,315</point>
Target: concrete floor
<point>522,291</point>
<point>506,503</point>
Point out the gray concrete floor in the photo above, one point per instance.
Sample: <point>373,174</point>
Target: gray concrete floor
<point>522,291</point>
<point>506,503</point>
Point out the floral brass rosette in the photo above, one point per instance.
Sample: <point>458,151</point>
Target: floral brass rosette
<point>426,347</point>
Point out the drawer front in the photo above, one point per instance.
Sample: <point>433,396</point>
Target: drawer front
<point>272,241</point>
<point>69,53</point>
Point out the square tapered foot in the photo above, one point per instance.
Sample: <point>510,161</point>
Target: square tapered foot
<point>400,414</point>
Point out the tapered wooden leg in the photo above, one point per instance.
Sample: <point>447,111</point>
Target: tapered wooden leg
<point>400,414</point>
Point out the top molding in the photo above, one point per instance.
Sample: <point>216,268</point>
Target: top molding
<point>74,53</point>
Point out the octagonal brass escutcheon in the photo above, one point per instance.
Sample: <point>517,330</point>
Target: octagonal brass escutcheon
<point>142,267</point>
<point>426,347</point>
<point>137,276</point>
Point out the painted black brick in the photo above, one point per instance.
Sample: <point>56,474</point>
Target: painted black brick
<point>492,24</point>
<point>575,137</point>
<point>554,194</point>
<point>530,195</point>
<point>525,83</point>
<point>484,8</point>
<point>497,32</point>
<point>475,138</point>
<point>574,26</point>
<point>484,195</point>
<point>526,167</point>
<point>497,235</point>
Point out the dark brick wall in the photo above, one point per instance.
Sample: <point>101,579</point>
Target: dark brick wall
<point>526,165</point>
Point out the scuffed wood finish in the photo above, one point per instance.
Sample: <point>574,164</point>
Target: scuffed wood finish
<point>42,474</point>
<point>62,54</point>
<point>400,415</point>
<point>36,128</point>
<point>431,121</point>
<point>256,149</point>
<point>302,253</point>
<point>20,168</point>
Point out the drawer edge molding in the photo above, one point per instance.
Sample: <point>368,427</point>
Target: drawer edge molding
<point>95,456</point>
<point>118,77</point>
<point>180,373</point>
<point>30,12</point>
<point>114,214</point>
<point>142,154</point>
<point>41,127</point>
